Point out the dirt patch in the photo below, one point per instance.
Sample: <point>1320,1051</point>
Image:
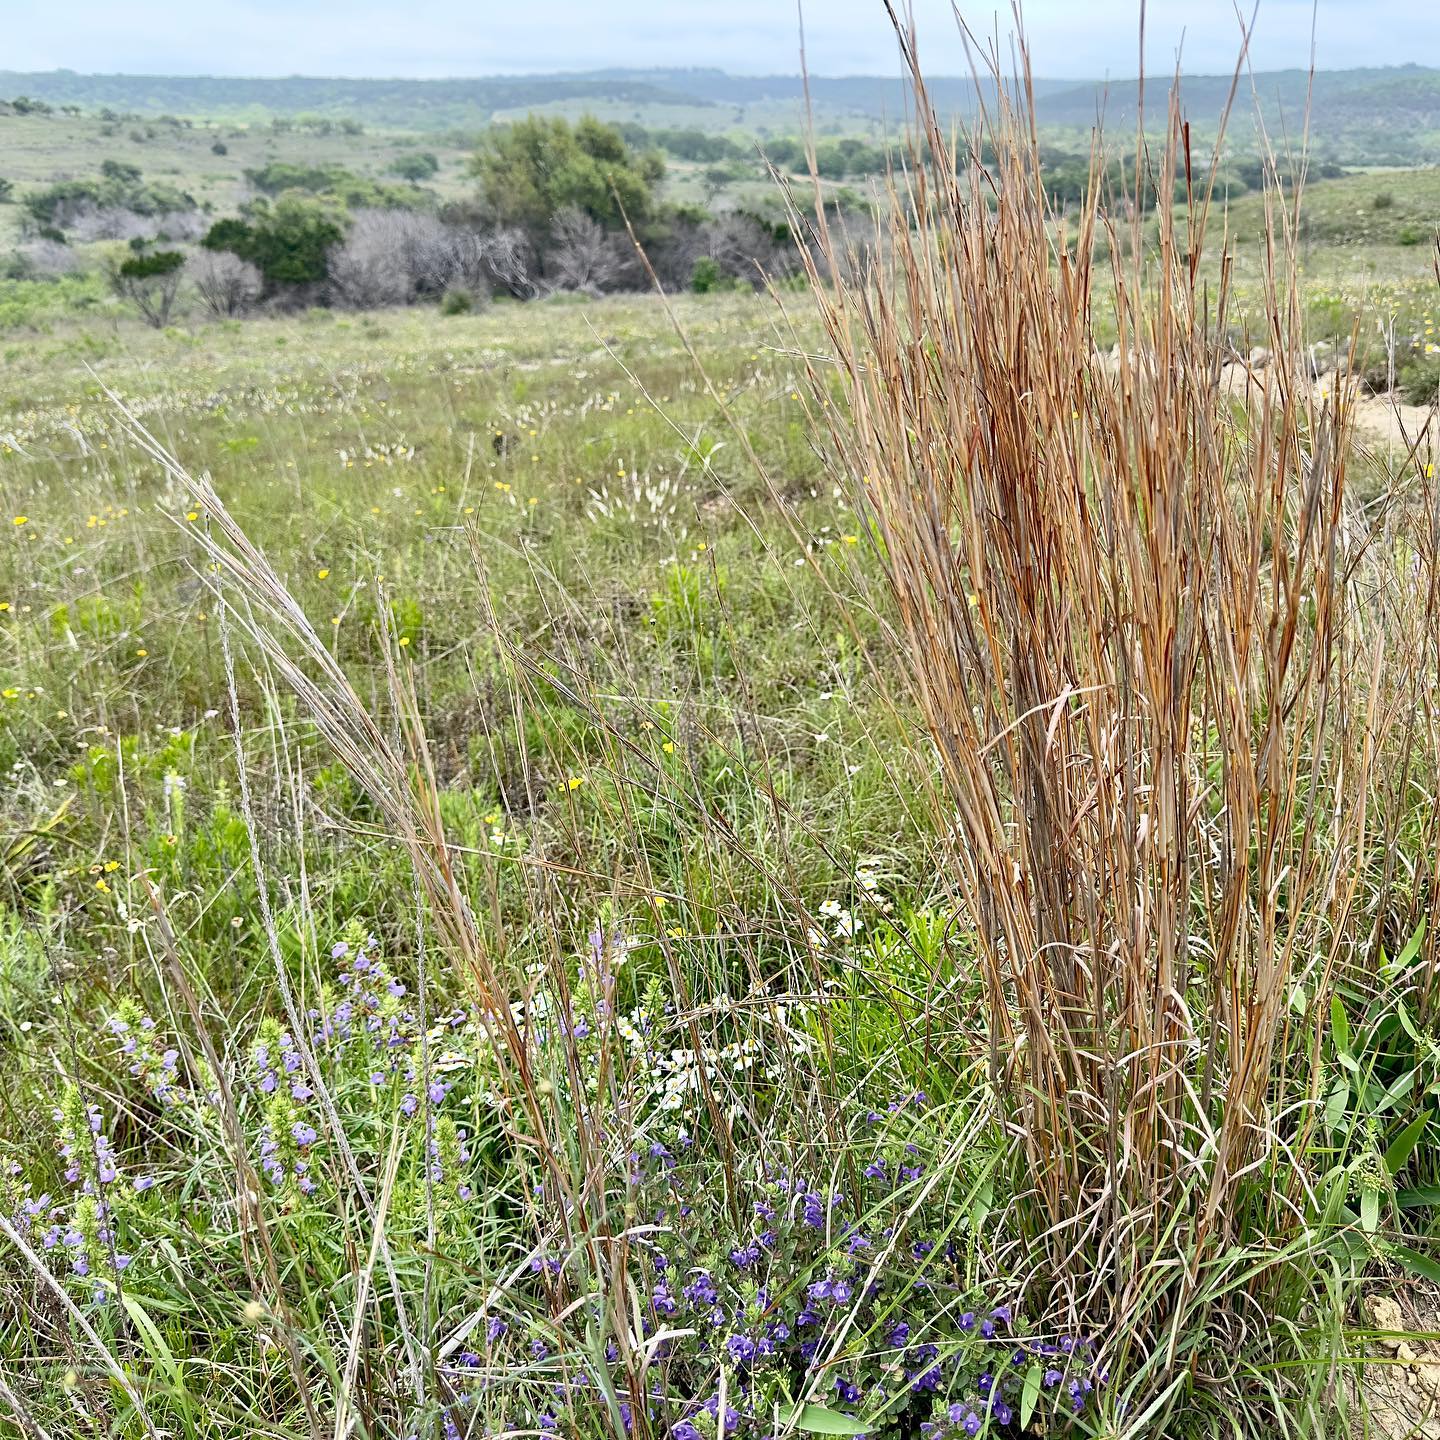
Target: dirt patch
<point>1379,419</point>
<point>1399,1386</point>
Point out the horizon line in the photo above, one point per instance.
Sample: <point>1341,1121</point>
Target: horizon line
<point>623,71</point>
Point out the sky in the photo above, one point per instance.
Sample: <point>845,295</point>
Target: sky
<point>427,38</point>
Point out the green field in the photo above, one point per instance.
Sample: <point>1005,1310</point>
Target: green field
<point>601,609</point>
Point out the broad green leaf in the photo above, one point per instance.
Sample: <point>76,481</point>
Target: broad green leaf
<point>1412,947</point>
<point>1416,1263</point>
<point>817,1420</point>
<point>1369,1211</point>
<point>1339,1025</point>
<point>1398,1091</point>
<point>1419,1197</point>
<point>1034,1377</point>
<point>1336,1104</point>
<point>1401,1146</point>
<point>1406,1022</point>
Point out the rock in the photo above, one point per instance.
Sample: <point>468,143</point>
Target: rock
<point>1260,357</point>
<point>1385,1314</point>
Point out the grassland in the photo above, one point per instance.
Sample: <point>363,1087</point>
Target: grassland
<point>504,880</point>
<point>366,447</point>
<point>598,610</point>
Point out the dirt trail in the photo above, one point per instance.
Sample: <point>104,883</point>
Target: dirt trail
<point>1380,420</point>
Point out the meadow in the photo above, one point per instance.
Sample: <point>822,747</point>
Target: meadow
<point>591,600</point>
<point>828,862</point>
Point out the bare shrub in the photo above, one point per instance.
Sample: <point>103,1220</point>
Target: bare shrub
<point>395,257</point>
<point>226,284</point>
<point>585,256</point>
<point>44,259</point>
<point>85,222</point>
<point>377,262</point>
<point>483,260</point>
<point>743,249</point>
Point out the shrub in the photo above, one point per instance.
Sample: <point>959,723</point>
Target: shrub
<point>1418,381</point>
<point>226,284</point>
<point>279,175</point>
<point>150,282</point>
<point>706,276</point>
<point>43,259</point>
<point>289,241</point>
<point>416,167</point>
<point>393,257</point>
<point>379,261</point>
<point>120,188</point>
<point>727,251</point>
<point>457,301</point>
<point>582,255</point>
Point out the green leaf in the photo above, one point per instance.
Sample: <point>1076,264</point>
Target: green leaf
<point>1406,1023</point>
<point>1418,1198</point>
<point>1416,1263</point>
<point>142,1322</point>
<point>1336,1104</point>
<point>1339,1025</point>
<point>1397,1091</point>
<point>817,1420</point>
<point>1369,1211</point>
<point>1412,947</point>
<point>1404,1143</point>
<point>1034,1377</point>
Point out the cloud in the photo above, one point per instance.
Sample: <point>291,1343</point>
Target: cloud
<point>475,37</point>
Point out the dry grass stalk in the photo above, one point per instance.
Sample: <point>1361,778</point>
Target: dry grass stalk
<point>1130,611</point>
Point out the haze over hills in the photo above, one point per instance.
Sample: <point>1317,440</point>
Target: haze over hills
<point>1387,115</point>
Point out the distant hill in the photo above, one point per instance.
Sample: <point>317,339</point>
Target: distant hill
<point>875,95</point>
<point>1376,116</point>
<point>402,104</point>
<point>1408,94</point>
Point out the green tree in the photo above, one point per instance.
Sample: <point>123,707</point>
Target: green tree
<point>287,241</point>
<point>415,167</point>
<point>530,171</point>
<point>151,283</point>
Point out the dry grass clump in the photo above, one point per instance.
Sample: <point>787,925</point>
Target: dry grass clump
<point>1168,669</point>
